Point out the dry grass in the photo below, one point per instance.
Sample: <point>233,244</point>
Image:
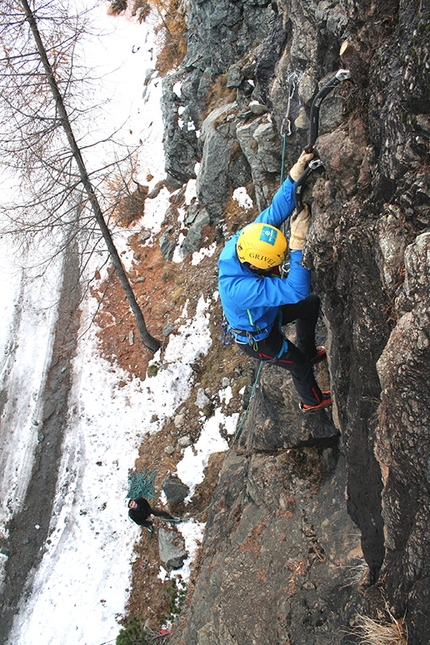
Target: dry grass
<point>131,207</point>
<point>355,573</point>
<point>219,94</point>
<point>388,631</point>
<point>116,7</point>
<point>173,45</point>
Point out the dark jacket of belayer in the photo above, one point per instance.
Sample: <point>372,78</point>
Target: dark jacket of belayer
<point>140,514</point>
<point>251,302</point>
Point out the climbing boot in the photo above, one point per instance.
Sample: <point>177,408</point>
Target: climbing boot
<point>321,355</point>
<point>324,403</point>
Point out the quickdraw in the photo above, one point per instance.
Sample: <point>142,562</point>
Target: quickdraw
<point>286,122</point>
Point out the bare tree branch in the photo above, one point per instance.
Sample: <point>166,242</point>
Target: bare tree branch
<point>37,105</point>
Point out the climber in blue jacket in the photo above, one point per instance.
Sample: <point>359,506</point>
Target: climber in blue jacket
<point>257,302</point>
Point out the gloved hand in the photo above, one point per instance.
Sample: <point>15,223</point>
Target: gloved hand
<point>299,227</point>
<point>299,167</point>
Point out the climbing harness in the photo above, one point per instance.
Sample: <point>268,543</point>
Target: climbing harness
<point>248,337</point>
<point>300,186</point>
<point>341,75</point>
<point>241,336</point>
<point>245,336</point>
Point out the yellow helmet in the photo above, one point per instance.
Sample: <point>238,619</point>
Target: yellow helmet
<point>262,245</point>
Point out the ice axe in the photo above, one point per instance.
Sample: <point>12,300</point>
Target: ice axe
<point>341,75</point>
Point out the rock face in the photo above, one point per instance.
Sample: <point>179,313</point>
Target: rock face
<point>403,443</point>
<point>277,554</point>
<point>282,543</point>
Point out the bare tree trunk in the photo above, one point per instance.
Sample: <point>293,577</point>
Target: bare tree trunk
<point>151,343</point>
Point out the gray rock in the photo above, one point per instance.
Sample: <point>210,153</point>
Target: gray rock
<point>183,442</point>
<point>179,420</point>
<point>308,87</point>
<point>257,108</point>
<point>167,247</point>
<point>255,512</point>
<point>337,21</point>
<point>258,140</point>
<point>392,243</point>
<point>302,122</point>
<point>265,430</point>
<point>403,442</point>
<point>218,137</point>
<point>167,330</point>
<point>181,145</point>
<point>331,114</point>
<point>171,545</point>
<point>144,235</point>
<point>48,410</point>
<point>235,76</point>
<point>175,490</point>
<point>193,238</point>
<point>231,30</point>
<point>201,399</point>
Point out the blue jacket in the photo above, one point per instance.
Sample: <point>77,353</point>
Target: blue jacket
<point>252,302</point>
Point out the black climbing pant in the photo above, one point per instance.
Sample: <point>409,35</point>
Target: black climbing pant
<point>297,359</point>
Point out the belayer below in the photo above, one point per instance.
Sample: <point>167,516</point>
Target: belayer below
<point>140,510</point>
<point>257,302</point>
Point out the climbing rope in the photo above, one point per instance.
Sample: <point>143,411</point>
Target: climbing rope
<point>292,79</point>
<point>235,438</point>
<point>245,414</point>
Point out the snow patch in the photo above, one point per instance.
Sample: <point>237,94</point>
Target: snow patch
<point>242,198</point>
